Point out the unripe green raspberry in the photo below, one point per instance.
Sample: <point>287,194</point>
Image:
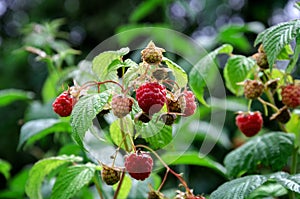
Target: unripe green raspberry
<point>253,89</point>
<point>152,54</point>
<point>110,175</point>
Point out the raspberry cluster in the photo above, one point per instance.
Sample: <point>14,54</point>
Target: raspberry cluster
<point>151,93</point>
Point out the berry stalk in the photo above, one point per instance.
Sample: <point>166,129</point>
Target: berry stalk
<point>178,176</point>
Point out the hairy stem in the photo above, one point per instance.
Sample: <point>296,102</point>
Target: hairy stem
<point>119,185</point>
<point>98,187</point>
<point>123,135</point>
<point>178,176</point>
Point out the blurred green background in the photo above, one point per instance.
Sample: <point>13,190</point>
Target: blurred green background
<point>209,22</point>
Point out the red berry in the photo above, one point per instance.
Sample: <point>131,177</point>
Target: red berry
<point>139,165</point>
<point>190,104</point>
<point>121,105</point>
<point>151,97</point>
<point>291,95</point>
<point>249,123</point>
<point>63,104</point>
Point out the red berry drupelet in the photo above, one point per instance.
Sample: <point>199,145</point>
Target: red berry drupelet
<point>249,123</point>
<point>190,104</point>
<point>139,165</point>
<point>291,95</point>
<point>63,104</point>
<point>121,105</point>
<point>151,97</point>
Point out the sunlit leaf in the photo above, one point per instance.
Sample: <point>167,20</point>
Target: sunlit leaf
<point>102,64</point>
<point>237,69</point>
<point>84,112</point>
<point>11,95</point>
<point>5,168</point>
<point>43,168</point>
<point>180,75</point>
<point>71,180</point>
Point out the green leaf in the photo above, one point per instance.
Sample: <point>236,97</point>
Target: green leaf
<point>125,187</point>
<point>285,53</point>
<point>237,69</point>
<point>180,75</point>
<point>102,64</point>
<point>16,185</point>
<point>272,149</point>
<point>71,180</point>
<point>293,126</point>
<point>36,129</point>
<point>53,84</point>
<point>234,35</point>
<point>155,132</point>
<point>238,188</point>
<point>132,72</point>
<point>205,70</point>
<point>43,168</point>
<point>5,168</point>
<point>295,57</point>
<point>8,96</point>
<point>144,9</point>
<point>275,38</point>
<point>268,189</point>
<point>193,158</point>
<point>290,182</point>
<point>84,112</point>
<point>118,136</point>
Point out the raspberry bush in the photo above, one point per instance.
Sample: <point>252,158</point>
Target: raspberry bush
<point>140,110</point>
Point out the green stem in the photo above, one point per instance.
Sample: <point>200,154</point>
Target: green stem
<point>178,176</point>
<point>119,185</point>
<point>294,160</point>
<point>98,186</point>
<point>123,135</point>
<point>292,195</point>
<point>249,105</point>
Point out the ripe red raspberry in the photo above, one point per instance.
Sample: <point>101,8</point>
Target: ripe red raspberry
<point>249,123</point>
<point>253,89</point>
<point>291,95</point>
<point>151,97</point>
<point>63,104</point>
<point>110,175</point>
<point>190,104</point>
<point>121,105</point>
<point>139,165</point>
